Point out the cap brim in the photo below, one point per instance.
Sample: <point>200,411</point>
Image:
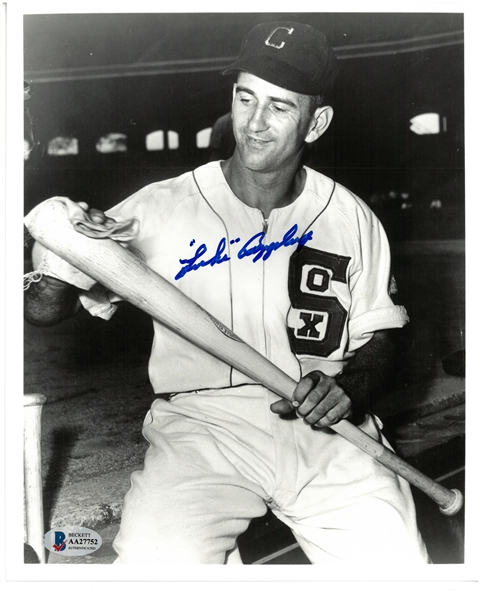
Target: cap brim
<point>233,68</point>
<point>276,72</point>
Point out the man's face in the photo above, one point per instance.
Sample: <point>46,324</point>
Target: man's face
<point>270,123</point>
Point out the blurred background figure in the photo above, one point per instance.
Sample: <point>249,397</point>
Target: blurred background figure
<point>30,138</point>
<point>222,140</point>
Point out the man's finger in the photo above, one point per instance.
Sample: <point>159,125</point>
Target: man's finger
<point>341,410</point>
<point>282,407</point>
<point>304,387</point>
<point>97,216</point>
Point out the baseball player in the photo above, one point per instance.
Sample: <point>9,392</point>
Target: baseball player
<point>299,268</point>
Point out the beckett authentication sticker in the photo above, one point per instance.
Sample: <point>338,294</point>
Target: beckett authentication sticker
<point>72,541</point>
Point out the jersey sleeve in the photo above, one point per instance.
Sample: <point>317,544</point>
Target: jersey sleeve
<point>97,300</point>
<point>132,207</point>
<point>372,308</point>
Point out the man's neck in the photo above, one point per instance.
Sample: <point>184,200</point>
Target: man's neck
<point>264,191</point>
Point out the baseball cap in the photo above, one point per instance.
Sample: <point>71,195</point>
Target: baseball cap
<point>290,55</point>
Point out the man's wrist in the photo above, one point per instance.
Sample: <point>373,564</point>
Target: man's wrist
<point>53,282</point>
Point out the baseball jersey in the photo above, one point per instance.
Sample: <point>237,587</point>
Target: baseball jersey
<point>306,288</point>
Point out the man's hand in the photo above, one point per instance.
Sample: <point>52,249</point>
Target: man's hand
<point>323,401</point>
<point>318,399</point>
<point>97,216</point>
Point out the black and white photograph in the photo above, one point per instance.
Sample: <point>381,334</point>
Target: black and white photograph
<point>244,293</point>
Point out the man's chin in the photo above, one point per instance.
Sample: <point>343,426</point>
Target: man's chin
<point>255,161</point>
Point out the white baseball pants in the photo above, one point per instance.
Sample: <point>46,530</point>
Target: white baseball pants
<point>218,458</point>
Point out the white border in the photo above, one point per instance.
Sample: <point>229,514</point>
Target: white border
<point>441,580</point>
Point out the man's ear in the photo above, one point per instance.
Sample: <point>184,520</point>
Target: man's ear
<point>320,122</point>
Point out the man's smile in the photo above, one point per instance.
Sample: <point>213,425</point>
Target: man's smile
<point>255,142</point>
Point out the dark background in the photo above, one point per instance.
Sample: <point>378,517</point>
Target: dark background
<point>136,73</point>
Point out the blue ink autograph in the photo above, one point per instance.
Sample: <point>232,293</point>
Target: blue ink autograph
<point>253,247</point>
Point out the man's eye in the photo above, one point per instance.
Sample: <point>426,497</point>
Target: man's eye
<point>279,109</point>
<point>245,99</point>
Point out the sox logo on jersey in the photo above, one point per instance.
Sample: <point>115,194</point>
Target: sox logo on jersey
<point>310,273</point>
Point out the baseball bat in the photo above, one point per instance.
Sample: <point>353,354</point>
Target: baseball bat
<point>123,273</point>
<point>32,468</point>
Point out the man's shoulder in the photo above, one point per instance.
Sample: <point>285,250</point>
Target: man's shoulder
<point>175,190</point>
<point>177,186</point>
<point>320,182</point>
<point>343,208</point>
<point>165,197</point>
<point>186,183</point>
<point>338,194</point>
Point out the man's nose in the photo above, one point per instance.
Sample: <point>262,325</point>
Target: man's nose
<point>258,119</point>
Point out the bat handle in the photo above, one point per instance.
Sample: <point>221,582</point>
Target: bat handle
<point>32,465</point>
<point>449,501</point>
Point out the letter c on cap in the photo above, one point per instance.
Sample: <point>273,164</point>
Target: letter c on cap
<point>289,30</point>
